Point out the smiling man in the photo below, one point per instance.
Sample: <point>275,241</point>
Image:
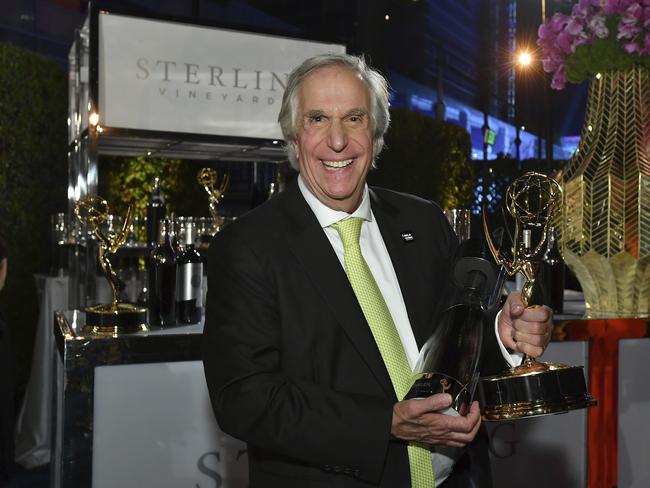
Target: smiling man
<point>317,308</point>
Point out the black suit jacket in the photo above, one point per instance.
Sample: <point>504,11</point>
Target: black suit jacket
<point>290,362</point>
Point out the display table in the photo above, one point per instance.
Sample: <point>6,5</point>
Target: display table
<point>139,402</point>
<point>134,411</point>
<point>617,428</point>
<point>34,421</point>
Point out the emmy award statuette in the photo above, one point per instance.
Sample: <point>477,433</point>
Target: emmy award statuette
<point>207,178</point>
<point>113,318</point>
<point>533,388</point>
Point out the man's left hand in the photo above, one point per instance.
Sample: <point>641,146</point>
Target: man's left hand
<point>525,330</point>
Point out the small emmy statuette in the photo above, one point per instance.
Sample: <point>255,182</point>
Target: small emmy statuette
<point>113,318</point>
<point>532,388</point>
<point>207,178</point>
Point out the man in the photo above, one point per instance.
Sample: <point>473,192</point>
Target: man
<point>309,331</point>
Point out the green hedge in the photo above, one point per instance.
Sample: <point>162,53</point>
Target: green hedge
<point>33,181</point>
<point>428,158</point>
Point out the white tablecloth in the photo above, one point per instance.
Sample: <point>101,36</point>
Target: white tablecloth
<point>34,422</point>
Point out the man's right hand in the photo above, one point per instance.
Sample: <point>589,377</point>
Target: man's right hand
<point>420,420</point>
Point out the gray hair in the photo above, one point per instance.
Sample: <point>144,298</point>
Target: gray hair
<point>377,87</point>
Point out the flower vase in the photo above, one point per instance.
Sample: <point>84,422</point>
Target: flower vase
<point>605,228</point>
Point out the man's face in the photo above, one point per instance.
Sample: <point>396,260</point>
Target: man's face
<point>334,142</point>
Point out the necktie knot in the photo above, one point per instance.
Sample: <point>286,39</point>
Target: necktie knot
<point>349,230</point>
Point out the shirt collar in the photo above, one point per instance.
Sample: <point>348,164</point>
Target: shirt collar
<point>327,216</point>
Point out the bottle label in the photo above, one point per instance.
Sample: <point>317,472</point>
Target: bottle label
<point>189,283</point>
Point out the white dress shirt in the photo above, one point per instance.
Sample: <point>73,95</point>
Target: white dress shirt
<point>376,255</point>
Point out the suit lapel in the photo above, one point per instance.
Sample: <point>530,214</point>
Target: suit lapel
<point>311,247</point>
<point>392,223</point>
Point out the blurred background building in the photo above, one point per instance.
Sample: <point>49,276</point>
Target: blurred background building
<point>450,59</point>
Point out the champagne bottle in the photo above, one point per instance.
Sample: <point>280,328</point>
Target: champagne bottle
<point>162,279</point>
<point>449,360</point>
<point>552,273</point>
<point>155,214</point>
<point>189,280</point>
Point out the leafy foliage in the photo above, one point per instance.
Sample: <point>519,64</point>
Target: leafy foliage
<point>33,178</point>
<point>127,181</point>
<point>428,158</point>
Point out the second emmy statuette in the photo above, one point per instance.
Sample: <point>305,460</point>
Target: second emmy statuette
<point>110,319</point>
<point>207,178</point>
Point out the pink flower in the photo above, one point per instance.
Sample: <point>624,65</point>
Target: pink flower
<point>565,42</point>
<point>574,27</point>
<point>627,29</point>
<point>634,11</point>
<point>598,27</point>
<point>631,47</point>
<point>552,61</point>
<point>558,81</point>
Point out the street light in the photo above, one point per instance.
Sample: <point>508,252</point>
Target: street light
<point>524,59</point>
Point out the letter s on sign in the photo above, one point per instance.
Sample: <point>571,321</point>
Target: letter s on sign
<point>210,473</point>
<point>142,65</point>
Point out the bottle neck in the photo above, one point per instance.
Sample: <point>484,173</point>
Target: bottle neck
<point>168,235</point>
<point>189,234</point>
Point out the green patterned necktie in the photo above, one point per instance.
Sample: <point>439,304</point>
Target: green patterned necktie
<point>385,333</point>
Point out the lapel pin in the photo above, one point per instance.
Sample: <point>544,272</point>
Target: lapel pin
<point>407,237</point>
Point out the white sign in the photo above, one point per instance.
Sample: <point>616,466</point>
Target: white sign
<point>169,76</point>
<point>633,413</point>
<point>543,452</point>
<point>153,426</point>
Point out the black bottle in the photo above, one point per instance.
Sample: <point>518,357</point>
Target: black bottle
<point>552,273</point>
<point>162,279</point>
<point>189,281</point>
<point>449,360</point>
<point>155,214</point>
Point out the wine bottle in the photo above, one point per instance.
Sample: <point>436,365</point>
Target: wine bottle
<point>189,280</point>
<point>155,214</point>
<point>162,279</point>
<point>449,360</point>
<point>552,273</point>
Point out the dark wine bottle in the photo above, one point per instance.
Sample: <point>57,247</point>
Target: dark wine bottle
<point>189,280</point>
<point>552,273</point>
<point>449,360</point>
<point>155,214</point>
<point>162,279</point>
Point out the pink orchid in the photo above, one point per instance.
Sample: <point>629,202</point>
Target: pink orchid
<point>565,42</point>
<point>574,27</point>
<point>598,27</point>
<point>558,81</point>
<point>559,36</point>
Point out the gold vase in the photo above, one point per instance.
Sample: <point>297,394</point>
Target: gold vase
<point>605,228</point>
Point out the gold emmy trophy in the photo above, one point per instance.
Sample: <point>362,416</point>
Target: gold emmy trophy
<point>207,178</point>
<point>532,388</point>
<point>113,318</point>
